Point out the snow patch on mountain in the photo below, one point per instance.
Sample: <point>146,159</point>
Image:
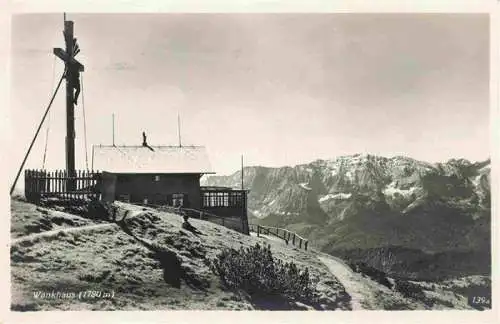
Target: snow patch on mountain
<point>286,213</point>
<point>391,190</point>
<point>257,213</point>
<point>340,195</point>
<point>305,186</point>
<point>482,174</point>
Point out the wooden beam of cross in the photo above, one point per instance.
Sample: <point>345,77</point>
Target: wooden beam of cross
<point>67,59</point>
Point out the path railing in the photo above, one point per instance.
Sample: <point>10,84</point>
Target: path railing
<point>235,223</point>
<point>282,233</point>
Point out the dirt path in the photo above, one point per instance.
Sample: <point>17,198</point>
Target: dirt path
<point>355,285</point>
<point>362,296</point>
<point>65,230</point>
<point>135,212</point>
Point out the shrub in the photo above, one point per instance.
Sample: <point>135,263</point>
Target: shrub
<point>102,210</point>
<point>373,273</point>
<point>255,271</point>
<point>382,259</point>
<point>411,290</point>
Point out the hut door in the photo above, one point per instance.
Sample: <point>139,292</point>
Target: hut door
<point>177,199</point>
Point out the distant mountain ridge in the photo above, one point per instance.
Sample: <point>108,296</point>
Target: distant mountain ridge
<point>367,201</point>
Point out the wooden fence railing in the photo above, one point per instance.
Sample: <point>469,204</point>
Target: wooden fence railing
<point>229,222</point>
<point>41,184</point>
<point>281,233</point>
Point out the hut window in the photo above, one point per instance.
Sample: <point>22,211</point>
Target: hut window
<point>218,199</point>
<point>178,199</point>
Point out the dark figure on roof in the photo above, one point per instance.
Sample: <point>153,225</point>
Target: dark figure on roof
<point>145,143</point>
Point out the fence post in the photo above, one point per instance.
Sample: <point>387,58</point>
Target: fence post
<point>65,184</point>
<point>300,243</point>
<point>89,183</point>
<point>54,183</point>
<point>85,182</point>
<point>305,245</point>
<point>26,184</point>
<point>31,184</point>
<point>36,186</point>
<point>35,182</point>
<point>60,184</point>
<point>293,239</point>
<point>47,182</point>
<point>68,185</point>
<point>79,181</point>
<point>258,230</point>
<point>42,182</point>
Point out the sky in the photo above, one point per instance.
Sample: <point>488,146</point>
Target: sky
<point>280,89</point>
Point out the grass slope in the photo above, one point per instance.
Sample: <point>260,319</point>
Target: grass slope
<point>124,260</point>
<point>31,219</point>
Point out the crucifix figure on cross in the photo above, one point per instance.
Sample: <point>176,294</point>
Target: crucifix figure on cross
<point>74,81</point>
<point>75,73</point>
<point>73,67</point>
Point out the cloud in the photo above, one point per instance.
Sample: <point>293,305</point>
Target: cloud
<point>120,66</point>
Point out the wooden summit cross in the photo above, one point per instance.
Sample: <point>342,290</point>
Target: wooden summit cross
<point>73,67</point>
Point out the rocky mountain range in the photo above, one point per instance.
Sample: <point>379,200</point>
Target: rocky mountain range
<point>368,202</point>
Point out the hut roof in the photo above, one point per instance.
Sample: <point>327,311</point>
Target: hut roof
<point>151,159</point>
